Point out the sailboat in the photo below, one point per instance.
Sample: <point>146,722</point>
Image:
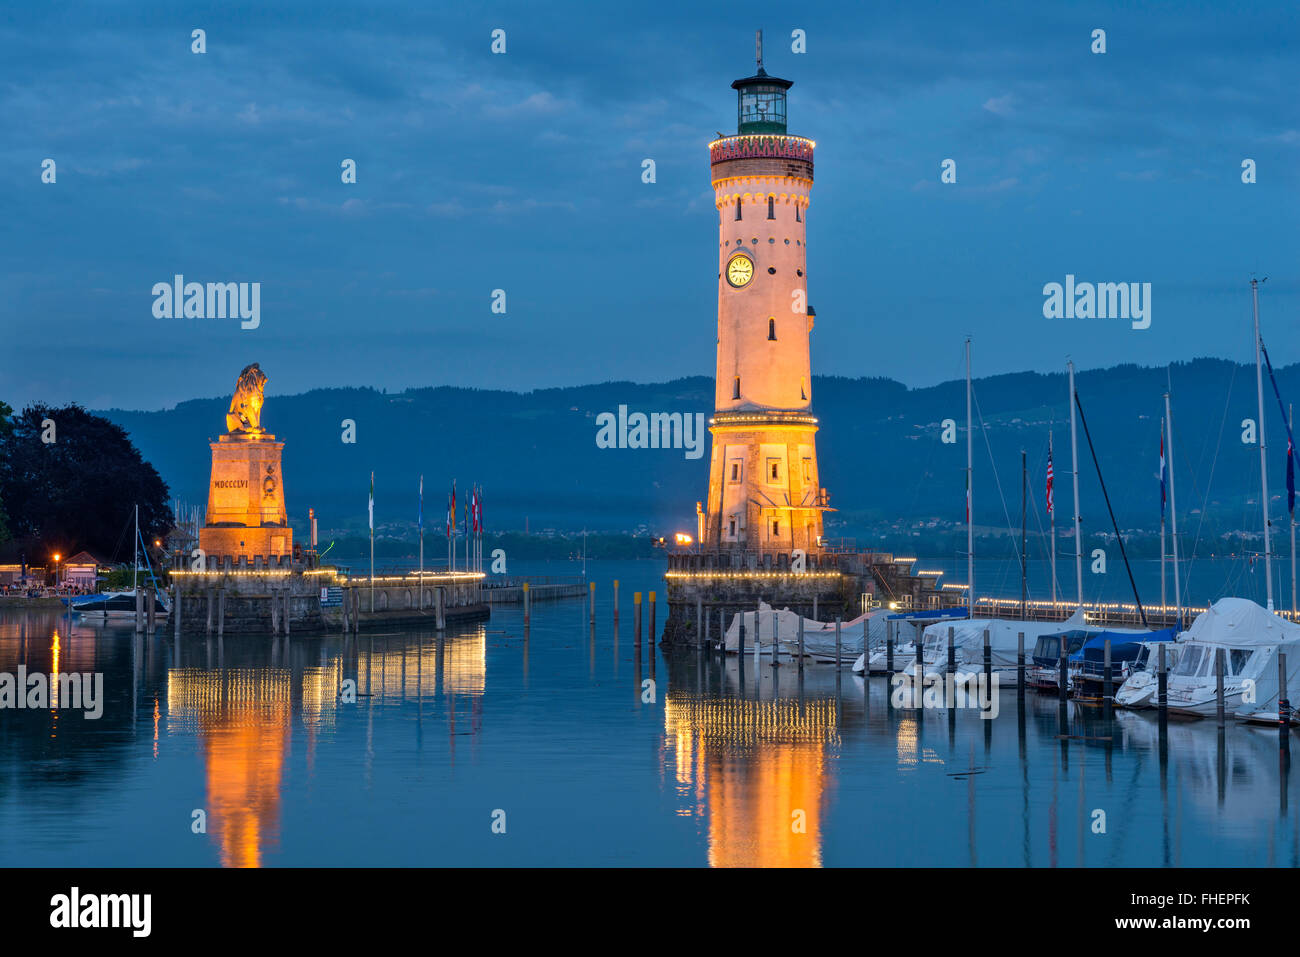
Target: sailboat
<point>120,605</point>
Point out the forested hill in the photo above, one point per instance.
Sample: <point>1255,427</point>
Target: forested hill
<point>880,448</point>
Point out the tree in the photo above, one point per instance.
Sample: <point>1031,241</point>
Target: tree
<point>6,429</point>
<point>71,481</point>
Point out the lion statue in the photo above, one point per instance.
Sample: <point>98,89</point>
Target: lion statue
<point>245,413</point>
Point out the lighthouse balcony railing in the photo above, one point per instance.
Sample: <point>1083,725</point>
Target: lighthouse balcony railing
<point>761,145</point>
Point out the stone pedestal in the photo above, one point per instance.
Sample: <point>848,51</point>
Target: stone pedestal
<point>246,514</point>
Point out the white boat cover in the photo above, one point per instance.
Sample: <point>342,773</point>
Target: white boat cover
<point>818,636</point>
<point>1240,621</point>
<point>968,638</point>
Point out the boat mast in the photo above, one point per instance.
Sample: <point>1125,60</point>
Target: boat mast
<point>1173,509</point>
<point>1291,421</point>
<point>1263,447</point>
<point>1074,469</point>
<point>970,516</point>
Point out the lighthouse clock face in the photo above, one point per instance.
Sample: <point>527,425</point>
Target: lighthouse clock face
<point>740,271</point>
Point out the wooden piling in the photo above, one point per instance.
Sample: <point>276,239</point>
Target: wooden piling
<point>701,626</point>
<point>740,647</point>
<point>1106,673</point>
<point>837,642</point>
<point>288,592</point>
<point>952,655</point>
<point>211,601</point>
<point>527,607</point>
<point>651,635</point>
<point>1283,702</point>
<point>1219,715</point>
<point>592,589</point>
<point>1020,667</point>
<point>221,612</point>
<point>275,613</point>
<point>616,599</point>
<point>1062,672</point>
<point>988,662</point>
<point>801,643</point>
<point>139,611</point>
<point>636,617</point>
<point>1162,685</point>
<point>176,608</point>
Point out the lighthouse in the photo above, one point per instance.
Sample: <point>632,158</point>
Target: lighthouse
<point>765,493</point>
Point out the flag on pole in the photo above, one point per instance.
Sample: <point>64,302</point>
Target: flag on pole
<point>372,501</point>
<point>449,506</point>
<point>1164,476</point>
<point>1051,482</point>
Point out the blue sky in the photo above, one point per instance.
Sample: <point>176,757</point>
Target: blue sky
<point>522,171</point>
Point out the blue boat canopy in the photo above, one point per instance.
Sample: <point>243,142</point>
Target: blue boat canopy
<point>930,613</point>
<point>1124,646</point>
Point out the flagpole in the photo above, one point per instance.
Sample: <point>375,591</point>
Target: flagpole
<point>421,544</point>
<point>1291,464</point>
<point>1173,510</point>
<point>970,515</point>
<point>1164,602</point>
<point>372,542</point>
<point>1051,515</point>
<point>1263,450</point>
<point>1074,469</point>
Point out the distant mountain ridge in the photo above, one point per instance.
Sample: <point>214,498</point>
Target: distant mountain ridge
<point>879,448</point>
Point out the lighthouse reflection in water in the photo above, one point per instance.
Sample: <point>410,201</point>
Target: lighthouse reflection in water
<point>565,746</point>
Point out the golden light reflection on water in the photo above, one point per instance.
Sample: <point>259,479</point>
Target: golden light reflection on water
<point>758,768</point>
<point>243,718</point>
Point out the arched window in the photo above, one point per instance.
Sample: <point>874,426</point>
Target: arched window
<point>796,214</point>
<point>735,389</point>
<point>737,208</point>
<point>771,207</point>
<point>771,330</point>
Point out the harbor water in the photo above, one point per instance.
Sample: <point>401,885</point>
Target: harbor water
<point>491,746</point>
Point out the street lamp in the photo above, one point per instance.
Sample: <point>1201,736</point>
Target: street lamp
<point>57,556</point>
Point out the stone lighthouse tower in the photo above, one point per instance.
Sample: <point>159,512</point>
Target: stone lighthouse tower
<point>764,488</point>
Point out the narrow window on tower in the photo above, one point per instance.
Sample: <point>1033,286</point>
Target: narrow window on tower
<point>735,471</point>
<point>796,214</point>
<point>803,389</point>
<point>737,209</point>
<point>731,529</point>
<point>771,329</point>
<point>735,388</point>
<point>771,207</point>
<point>776,529</point>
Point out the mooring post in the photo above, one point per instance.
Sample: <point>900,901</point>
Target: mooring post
<point>287,607</point>
<point>701,626</point>
<point>988,662</point>
<point>527,607</point>
<point>815,618</point>
<point>616,599</point>
<point>275,614</point>
<point>952,654</point>
<point>651,635</point>
<point>1283,702</point>
<point>211,600</point>
<point>801,643</point>
<point>221,612</point>
<point>1020,668</point>
<point>722,631</point>
<point>343,606</point>
<point>636,618</point>
<point>837,642</point>
<point>740,647</point>
<point>1162,685</point>
<point>151,602</point>
<point>1061,671</point>
<point>176,606</point>
<point>1106,673</point>
<point>592,589</point>
<point>1218,687</point>
<point>139,611</point>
